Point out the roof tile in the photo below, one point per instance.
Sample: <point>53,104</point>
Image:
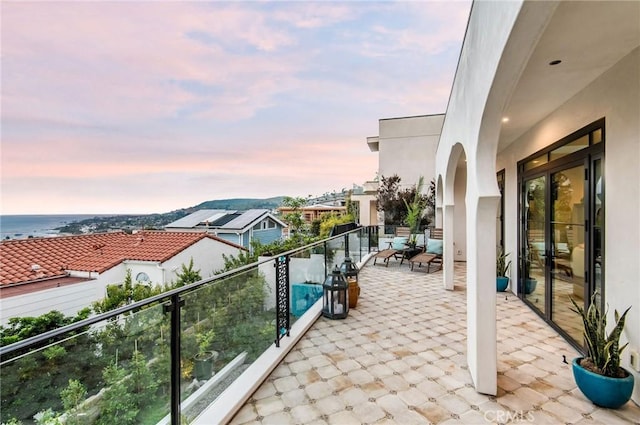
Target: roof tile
<point>32,259</point>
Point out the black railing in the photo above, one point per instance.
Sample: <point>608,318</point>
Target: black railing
<point>233,309</point>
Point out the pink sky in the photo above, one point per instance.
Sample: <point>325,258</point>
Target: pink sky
<point>143,107</point>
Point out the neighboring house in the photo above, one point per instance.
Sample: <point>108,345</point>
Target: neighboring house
<point>68,273</point>
<point>543,125</point>
<point>407,147</point>
<point>367,205</point>
<point>239,227</point>
<point>314,212</point>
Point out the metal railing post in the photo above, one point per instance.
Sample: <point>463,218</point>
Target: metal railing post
<point>346,245</point>
<point>173,307</point>
<point>283,325</point>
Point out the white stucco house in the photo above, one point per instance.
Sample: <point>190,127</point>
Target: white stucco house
<point>542,130</point>
<point>406,147</point>
<point>69,273</point>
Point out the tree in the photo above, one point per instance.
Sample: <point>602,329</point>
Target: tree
<point>119,295</point>
<point>117,407</point>
<point>188,275</point>
<point>143,382</point>
<point>388,198</point>
<point>294,219</point>
<point>393,201</point>
<point>72,398</point>
<point>20,328</point>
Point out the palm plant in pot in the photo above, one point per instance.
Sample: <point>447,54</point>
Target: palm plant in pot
<point>599,375</point>
<point>415,209</point>
<point>502,270</point>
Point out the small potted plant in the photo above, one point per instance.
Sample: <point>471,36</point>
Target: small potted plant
<point>599,375</point>
<point>203,361</point>
<point>502,270</point>
<point>530,283</point>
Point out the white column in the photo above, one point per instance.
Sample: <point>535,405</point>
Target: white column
<point>448,249</point>
<point>481,293</point>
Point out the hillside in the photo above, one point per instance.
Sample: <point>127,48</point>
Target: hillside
<point>158,221</point>
<point>240,204</point>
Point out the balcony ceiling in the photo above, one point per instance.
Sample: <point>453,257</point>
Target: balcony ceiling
<point>589,38</point>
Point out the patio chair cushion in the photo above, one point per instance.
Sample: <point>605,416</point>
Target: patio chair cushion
<point>399,242</point>
<point>434,246</point>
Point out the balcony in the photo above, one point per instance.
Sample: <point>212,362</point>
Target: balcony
<point>399,357</point>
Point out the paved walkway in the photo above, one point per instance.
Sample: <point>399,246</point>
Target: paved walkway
<point>399,358</point>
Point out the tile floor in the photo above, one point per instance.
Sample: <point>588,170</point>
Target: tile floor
<point>399,358</point>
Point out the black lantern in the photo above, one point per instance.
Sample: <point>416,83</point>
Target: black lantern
<point>335,304</point>
<point>350,272</point>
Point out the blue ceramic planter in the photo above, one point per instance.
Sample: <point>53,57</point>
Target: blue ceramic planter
<point>501,283</point>
<point>602,390</point>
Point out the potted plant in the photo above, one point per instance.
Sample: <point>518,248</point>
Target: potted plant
<point>599,375</point>
<point>415,209</point>
<point>204,359</point>
<point>502,270</point>
<point>530,283</point>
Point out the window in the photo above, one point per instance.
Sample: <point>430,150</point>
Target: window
<point>142,277</point>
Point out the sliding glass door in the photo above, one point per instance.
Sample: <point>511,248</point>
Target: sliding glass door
<point>561,209</point>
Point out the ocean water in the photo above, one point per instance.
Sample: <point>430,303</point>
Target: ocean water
<point>24,226</point>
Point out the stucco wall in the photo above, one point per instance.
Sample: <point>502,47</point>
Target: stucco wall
<point>207,257</point>
<point>615,95</point>
<point>407,147</point>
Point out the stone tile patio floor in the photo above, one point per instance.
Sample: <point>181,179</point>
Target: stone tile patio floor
<point>399,358</point>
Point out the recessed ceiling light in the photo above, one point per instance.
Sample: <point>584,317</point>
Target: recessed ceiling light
<point>505,119</point>
<point>555,62</point>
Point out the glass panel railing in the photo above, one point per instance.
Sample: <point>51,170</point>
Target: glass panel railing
<point>355,252</point>
<point>306,275</point>
<point>116,369</point>
<point>225,326</point>
<point>334,253</point>
<point>119,367</point>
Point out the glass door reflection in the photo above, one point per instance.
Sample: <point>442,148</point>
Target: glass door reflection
<point>567,249</point>
<point>533,284</point>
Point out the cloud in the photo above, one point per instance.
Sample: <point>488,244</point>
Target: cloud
<point>130,96</point>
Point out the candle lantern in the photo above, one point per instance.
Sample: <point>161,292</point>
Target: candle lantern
<point>335,304</point>
<point>350,272</point>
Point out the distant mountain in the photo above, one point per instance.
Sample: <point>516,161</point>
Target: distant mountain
<point>240,204</point>
<point>158,221</point>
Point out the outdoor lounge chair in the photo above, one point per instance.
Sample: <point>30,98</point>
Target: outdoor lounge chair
<point>396,246</point>
<point>432,256</point>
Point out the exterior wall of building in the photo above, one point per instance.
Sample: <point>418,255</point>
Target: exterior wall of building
<point>267,236</point>
<point>615,95</point>
<point>230,237</point>
<point>206,254</point>
<point>407,147</point>
<point>69,300</point>
<point>207,257</point>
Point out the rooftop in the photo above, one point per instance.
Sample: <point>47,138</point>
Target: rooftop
<point>37,259</point>
<point>399,358</point>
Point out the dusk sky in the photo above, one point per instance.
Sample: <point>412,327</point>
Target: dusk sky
<point>150,106</point>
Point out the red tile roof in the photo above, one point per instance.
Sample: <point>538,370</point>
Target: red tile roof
<point>35,259</point>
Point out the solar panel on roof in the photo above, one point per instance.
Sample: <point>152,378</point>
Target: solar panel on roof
<point>214,217</point>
